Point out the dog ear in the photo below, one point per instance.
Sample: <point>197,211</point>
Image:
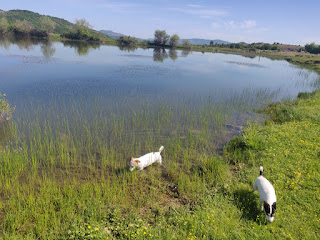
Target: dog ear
<point>274,205</point>
<point>132,159</point>
<point>266,207</point>
<point>137,161</point>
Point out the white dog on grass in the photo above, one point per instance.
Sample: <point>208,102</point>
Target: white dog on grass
<point>146,160</point>
<point>268,199</point>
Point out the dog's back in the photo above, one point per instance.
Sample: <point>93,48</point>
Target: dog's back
<point>268,199</point>
<point>147,159</point>
<point>265,188</point>
<point>150,158</point>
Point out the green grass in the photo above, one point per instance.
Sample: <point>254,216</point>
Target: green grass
<point>65,176</point>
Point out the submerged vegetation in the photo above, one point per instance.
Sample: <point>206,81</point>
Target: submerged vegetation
<point>5,109</point>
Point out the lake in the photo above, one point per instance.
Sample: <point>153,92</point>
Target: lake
<point>139,97</point>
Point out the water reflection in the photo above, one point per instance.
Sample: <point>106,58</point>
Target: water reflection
<point>28,44</point>
<point>128,48</point>
<point>22,42</point>
<point>160,54</point>
<point>173,54</point>
<point>5,43</point>
<point>185,53</point>
<point>82,48</point>
<point>48,50</point>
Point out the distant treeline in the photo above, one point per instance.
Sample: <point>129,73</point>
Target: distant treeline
<point>251,47</point>
<point>161,39</point>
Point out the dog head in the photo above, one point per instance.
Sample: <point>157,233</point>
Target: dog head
<point>134,163</point>
<point>270,211</point>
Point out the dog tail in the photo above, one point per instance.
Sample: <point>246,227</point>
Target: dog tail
<point>161,148</point>
<point>261,170</point>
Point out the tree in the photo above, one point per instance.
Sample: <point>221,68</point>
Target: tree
<point>266,46</point>
<point>4,25</point>
<point>275,48</point>
<point>186,45</point>
<point>160,37</point>
<point>82,26</point>
<point>174,40</point>
<point>312,48</point>
<point>23,27</point>
<point>46,24</point>
<point>128,41</point>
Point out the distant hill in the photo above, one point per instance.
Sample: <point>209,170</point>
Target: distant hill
<point>61,25</point>
<point>198,41</point>
<point>116,35</point>
<point>112,34</point>
<point>194,41</point>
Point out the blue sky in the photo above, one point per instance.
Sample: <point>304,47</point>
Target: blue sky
<point>285,21</point>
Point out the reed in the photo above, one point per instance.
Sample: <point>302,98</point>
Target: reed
<point>64,167</point>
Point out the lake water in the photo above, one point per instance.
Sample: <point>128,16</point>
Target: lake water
<point>44,69</point>
<point>54,79</point>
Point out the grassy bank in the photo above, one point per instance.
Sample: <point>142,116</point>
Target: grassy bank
<point>57,184</point>
<point>64,166</point>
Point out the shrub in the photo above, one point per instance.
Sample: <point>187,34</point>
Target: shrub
<point>5,109</point>
<point>312,48</point>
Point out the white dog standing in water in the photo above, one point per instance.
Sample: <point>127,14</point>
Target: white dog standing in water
<point>268,199</point>
<point>146,160</point>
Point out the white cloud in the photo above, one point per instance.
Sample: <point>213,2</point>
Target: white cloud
<point>194,6</point>
<point>199,12</point>
<point>247,24</point>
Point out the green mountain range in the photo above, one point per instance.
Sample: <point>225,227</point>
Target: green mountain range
<point>61,25</point>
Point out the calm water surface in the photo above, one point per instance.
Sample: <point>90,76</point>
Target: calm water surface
<point>42,69</point>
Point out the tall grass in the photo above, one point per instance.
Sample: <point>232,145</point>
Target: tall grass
<point>64,166</point>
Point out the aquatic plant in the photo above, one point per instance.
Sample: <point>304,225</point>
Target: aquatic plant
<point>5,109</point>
